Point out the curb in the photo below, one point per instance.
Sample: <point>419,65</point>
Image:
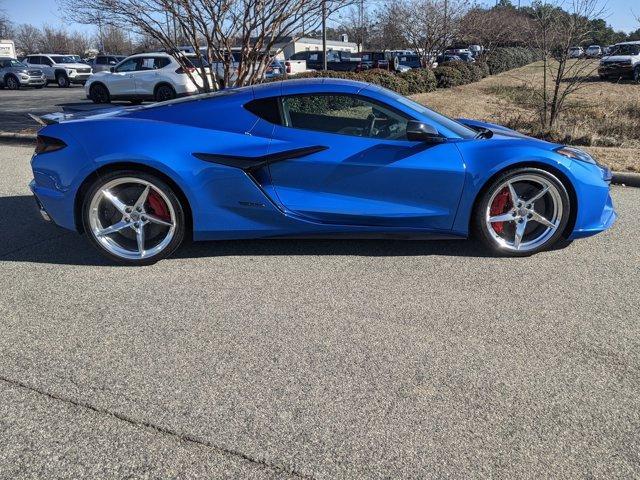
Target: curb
<point>628,179</point>
<point>18,136</point>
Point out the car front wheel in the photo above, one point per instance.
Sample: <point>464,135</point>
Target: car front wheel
<point>133,217</point>
<point>523,211</point>
<point>12,83</point>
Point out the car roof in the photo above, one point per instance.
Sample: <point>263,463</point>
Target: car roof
<point>628,43</point>
<point>155,54</point>
<point>311,85</point>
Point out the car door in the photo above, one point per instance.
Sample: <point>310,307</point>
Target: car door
<point>47,67</point>
<point>361,169</point>
<point>148,74</point>
<point>122,82</point>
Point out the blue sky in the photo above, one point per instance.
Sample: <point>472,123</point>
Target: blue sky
<point>620,13</point>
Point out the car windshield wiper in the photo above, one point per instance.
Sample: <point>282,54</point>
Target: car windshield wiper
<point>483,133</point>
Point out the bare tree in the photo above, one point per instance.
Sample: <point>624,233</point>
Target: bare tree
<point>429,26</point>
<point>357,22</point>
<point>212,28</point>
<point>6,28</point>
<point>27,38</point>
<point>554,31</point>
<point>114,40</point>
<point>502,25</point>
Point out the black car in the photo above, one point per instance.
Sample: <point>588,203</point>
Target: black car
<point>371,60</point>
<point>336,60</point>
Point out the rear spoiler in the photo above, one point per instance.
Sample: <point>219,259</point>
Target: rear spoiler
<point>60,117</point>
<point>51,118</point>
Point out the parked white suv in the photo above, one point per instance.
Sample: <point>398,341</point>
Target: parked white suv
<point>61,69</point>
<point>146,76</point>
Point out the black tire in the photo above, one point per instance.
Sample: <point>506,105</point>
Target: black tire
<point>12,82</point>
<point>479,227</point>
<point>99,94</point>
<point>636,74</point>
<point>180,219</point>
<point>164,93</point>
<point>62,81</point>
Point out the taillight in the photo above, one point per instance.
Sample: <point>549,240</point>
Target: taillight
<point>182,70</point>
<point>288,65</point>
<point>46,144</point>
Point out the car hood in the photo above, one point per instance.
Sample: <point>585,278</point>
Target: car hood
<point>75,66</point>
<point>616,58</point>
<point>504,133</point>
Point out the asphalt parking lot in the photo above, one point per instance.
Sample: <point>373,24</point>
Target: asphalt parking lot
<point>316,359</point>
<point>15,105</point>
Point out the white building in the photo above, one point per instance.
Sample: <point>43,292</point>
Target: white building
<point>287,46</point>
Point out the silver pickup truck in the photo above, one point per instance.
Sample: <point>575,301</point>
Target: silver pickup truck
<point>623,61</point>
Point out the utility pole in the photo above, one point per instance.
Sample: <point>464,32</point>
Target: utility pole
<point>324,34</point>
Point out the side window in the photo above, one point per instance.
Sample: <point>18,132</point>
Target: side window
<point>45,61</point>
<point>101,60</point>
<point>333,56</point>
<point>34,60</point>
<point>345,115</point>
<point>128,66</point>
<point>314,57</point>
<point>265,108</point>
<point>161,62</point>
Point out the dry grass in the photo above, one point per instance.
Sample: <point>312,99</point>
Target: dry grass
<point>602,117</point>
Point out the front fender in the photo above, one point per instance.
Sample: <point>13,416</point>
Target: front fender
<point>485,160</point>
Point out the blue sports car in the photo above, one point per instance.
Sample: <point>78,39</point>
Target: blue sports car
<point>309,158</point>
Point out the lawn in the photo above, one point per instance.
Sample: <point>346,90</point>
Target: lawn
<point>602,117</point>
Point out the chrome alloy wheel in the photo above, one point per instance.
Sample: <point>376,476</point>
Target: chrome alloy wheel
<point>131,218</point>
<point>524,212</point>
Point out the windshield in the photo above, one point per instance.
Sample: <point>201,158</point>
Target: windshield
<point>626,50</point>
<point>62,59</point>
<point>16,64</point>
<point>453,125</point>
<point>198,62</point>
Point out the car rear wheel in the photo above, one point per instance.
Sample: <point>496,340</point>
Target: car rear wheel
<point>636,74</point>
<point>164,93</point>
<point>12,83</point>
<point>99,94</point>
<point>524,211</point>
<point>62,81</point>
<point>133,217</point>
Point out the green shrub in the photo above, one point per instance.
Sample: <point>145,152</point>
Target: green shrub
<point>448,76</point>
<point>507,58</point>
<point>420,80</point>
<point>385,79</point>
<point>483,66</point>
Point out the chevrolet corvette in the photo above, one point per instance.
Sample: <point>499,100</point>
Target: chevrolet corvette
<point>307,159</point>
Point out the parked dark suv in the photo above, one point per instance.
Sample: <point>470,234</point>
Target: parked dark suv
<point>336,60</point>
<point>371,60</point>
<point>15,74</point>
<point>103,63</point>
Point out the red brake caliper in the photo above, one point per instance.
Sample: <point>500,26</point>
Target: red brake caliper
<point>499,206</point>
<point>158,207</point>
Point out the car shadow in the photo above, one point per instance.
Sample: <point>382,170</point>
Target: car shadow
<point>27,238</point>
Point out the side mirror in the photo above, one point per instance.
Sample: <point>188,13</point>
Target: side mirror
<point>423,132</point>
<point>112,69</point>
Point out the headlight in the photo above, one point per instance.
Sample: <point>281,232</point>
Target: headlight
<point>576,154</point>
